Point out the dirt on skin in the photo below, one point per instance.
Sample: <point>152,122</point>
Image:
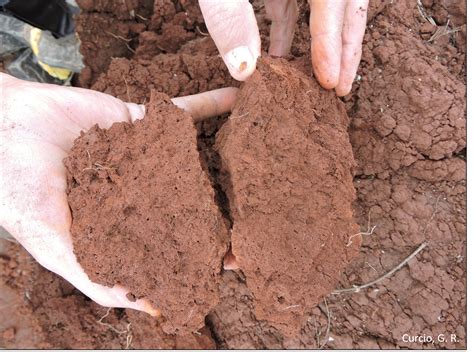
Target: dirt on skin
<point>284,146</point>
<point>141,202</point>
<point>409,204</point>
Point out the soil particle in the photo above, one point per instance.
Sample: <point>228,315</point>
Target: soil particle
<point>283,147</point>
<point>139,189</point>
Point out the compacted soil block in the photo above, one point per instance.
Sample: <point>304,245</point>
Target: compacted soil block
<point>288,160</point>
<point>144,214</point>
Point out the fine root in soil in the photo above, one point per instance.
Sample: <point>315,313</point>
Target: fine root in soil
<point>110,326</point>
<point>369,232</point>
<point>125,40</point>
<point>357,288</point>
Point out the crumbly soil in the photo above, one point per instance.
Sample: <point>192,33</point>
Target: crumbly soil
<point>144,214</point>
<point>282,149</point>
<point>407,114</point>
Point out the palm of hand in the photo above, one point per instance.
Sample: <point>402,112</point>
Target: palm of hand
<point>38,126</point>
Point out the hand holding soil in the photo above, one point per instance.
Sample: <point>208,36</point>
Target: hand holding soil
<point>39,123</point>
<point>337,29</point>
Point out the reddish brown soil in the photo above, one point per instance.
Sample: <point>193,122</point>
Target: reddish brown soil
<point>282,149</point>
<point>410,183</point>
<point>110,29</point>
<point>144,214</point>
<point>174,74</point>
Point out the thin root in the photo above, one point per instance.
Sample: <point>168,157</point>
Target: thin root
<point>141,17</point>
<point>369,231</point>
<point>98,166</point>
<point>125,40</point>
<point>110,326</point>
<point>357,288</point>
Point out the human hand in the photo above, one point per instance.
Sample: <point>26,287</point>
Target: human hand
<point>38,124</point>
<point>337,29</point>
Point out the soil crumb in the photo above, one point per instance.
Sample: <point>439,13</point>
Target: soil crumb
<point>288,163</point>
<point>144,214</point>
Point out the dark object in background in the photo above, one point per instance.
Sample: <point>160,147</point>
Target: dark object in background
<point>55,16</point>
<point>41,46</point>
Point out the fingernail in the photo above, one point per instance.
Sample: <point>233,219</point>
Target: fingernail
<point>154,312</point>
<point>137,111</point>
<point>241,62</point>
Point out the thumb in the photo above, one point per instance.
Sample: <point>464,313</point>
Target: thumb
<point>233,27</point>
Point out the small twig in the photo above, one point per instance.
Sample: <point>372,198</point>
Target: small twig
<point>357,288</point>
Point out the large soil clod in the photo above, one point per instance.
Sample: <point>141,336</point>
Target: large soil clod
<point>288,160</point>
<point>144,214</point>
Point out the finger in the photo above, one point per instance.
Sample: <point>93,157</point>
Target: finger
<point>136,111</point>
<point>283,14</point>
<point>325,23</point>
<point>353,31</point>
<point>230,261</point>
<point>105,296</point>
<point>208,104</point>
<point>233,27</point>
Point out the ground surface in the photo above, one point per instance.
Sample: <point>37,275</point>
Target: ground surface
<point>407,130</point>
